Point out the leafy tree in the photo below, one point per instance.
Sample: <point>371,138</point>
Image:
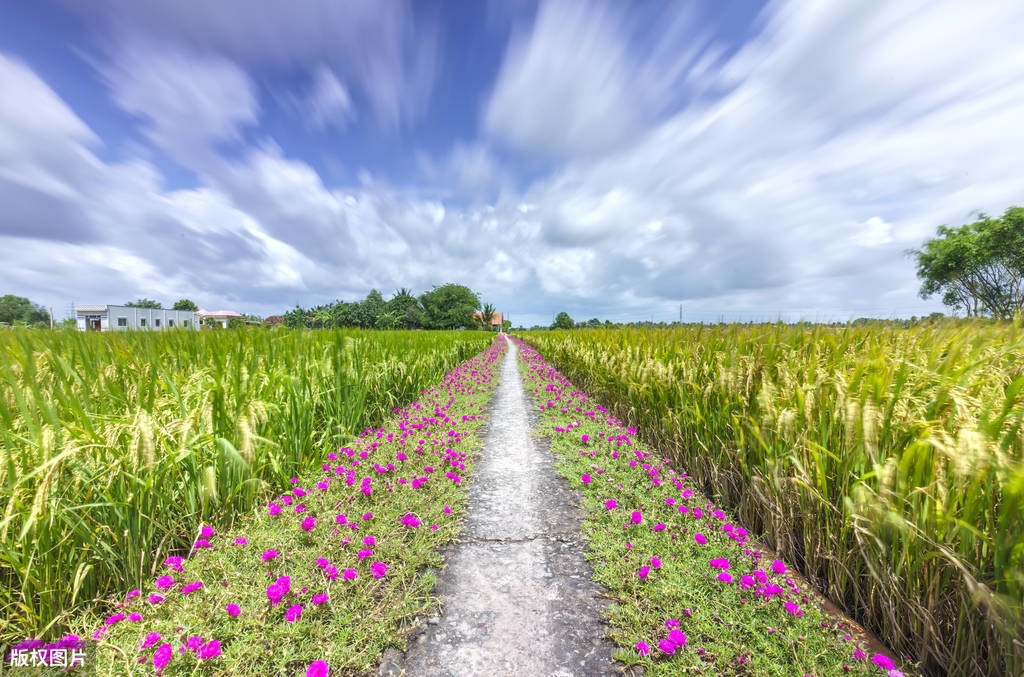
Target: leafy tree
<point>486,316</point>
<point>296,318</point>
<point>370,309</point>
<point>449,306</point>
<point>18,309</point>
<point>183,304</point>
<point>563,321</point>
<point>506,325</point>
<point>978,267</point>
<point>407,308</point>
<point>145,303</point>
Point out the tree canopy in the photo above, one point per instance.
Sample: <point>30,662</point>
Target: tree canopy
<point>185,304</point>
<point>445,307</point>
<point>979,267</point>
<point>18,309</point>
<point>449,306</point>
<point>145,303</point>
<point>563,321</point>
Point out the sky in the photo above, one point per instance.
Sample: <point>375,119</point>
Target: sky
<point>715,159</point>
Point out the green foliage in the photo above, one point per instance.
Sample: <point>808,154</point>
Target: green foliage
<point>979,267</point>
<point>563,321</point>
<point>184,304</point>
<point>116,447</point>
<point>885,462</point>
<point>145,303</point>
<point>449,306</point>
<point>406,309</point>
<point>19,310</point>
<point>486,316</point>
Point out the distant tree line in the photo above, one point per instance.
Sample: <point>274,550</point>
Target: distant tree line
<point>19,311</point>
<point>449,306</point>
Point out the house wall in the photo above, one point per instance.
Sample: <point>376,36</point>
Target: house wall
<point>133,317</point>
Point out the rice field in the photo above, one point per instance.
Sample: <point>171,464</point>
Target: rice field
<point>115,449</point>
<point>886,463</point>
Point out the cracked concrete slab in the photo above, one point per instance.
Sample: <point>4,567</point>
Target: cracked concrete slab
<point>516,593</point>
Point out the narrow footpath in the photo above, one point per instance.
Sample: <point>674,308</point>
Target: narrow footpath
<point>516,595</point>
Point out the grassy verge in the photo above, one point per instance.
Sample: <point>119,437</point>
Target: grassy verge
<point>326,575</point>
<point>693,593</point>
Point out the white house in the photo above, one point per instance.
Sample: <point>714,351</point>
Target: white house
<point>123,318</point>
<point>219,316</point>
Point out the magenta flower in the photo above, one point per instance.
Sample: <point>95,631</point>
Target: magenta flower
<point>201,543</point>
<point>269,555</point>
<point>300,508</point>
<point>793,609</point>
<point>115,619</point>
<point>192,587</point>
<point>725,577</point>
<point>882,661</point>
<point>293,613</point>
<point>209,650</point>
<point>317,669</point>
<point>644,570</point>
<point>610,504</point>
<point>778,567</point>
<point>331,572</point>
<point>233,610</point>
<point>162,657</point>
<point>410,520</point>
<point>667,646</point>
<point>133,594</point>
<point>369,541</point>
<point>746,581</point>
<point>378,569</point>
<point>586,479</point>
<point>241,540</point>
<point>659,527</point>
<point>278,589</point>
<point>636,517</point>
<point>320,598</point>
<point>368,516</point>
<point>134,617</point>
<point>193,643</point>
<point>340,518</point>
<point>700,538</point>
<point>174,563</point>
<point>677,637</point>
<point>447,510</point>
<point>720,563</point>
<point>642,648</point>
<point>151,639</point>
<point>308,523</point>
<point>206,532</point>
<point>584,438</point>
<point>349,574</point>
<point>273,508</point>
<point>155,599</point>
<point>364,553</point>
<point>656,562</point>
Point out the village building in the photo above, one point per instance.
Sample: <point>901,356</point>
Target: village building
<point>497,320</point>
<point>221,317</point>
<point>124,318</point>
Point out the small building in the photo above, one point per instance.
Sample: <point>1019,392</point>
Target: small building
<point>124,318</point>
<point>497,319</point>
<point>221,317</point>
<point>273,320</point>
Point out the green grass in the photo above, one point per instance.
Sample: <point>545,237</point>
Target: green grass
<point>887,464</point>
<point>115,448</point>
<point>729,630</point>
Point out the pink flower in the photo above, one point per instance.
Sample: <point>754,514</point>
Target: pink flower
<point>584,438</point>
<point>725,577</point>
<point>155,599</point>
<point>378,569</point>
<point>447,510</point>
<point>192,587</point>
<point>642,648</point>
<point>644,570</point>
<point>778,567</point>
<point>206,532</point>
<point>278,589</point>
<point>151,639</point>
<point>794,609</point>
<point>162,657</point>
<point>369,541</point>
<point>350,574</point>
<point>364,553</point>
<point>340,518</point>
<point>241,541</point>
<point>308,523</point>
<point>659,527</point>
<point>273,508</point>
<point>174,563</point>
<point>667,646</point>
<point>300,508</point>
<point>201,543</point>
<point>656,562</point>
<point>882,661</point>
<point>747,581</point>
<point>317,669</point>
<point>368,516</point>
<point>636,517</point>
<point>410,520</point>
<point>720,563</point>
<point>233,610</point>
<point>293,613</point>
<point>610,504</point>
<point>320,598</point>
<point>134,617</point>
<point>269,555</point>
<point>700,538</point>
<point>677,637</point>
<point>331,572</point>
<point>209,650</point>
<point>115,619</point>
<point>586,479</point>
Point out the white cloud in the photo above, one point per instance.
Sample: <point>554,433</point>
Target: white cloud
<point>189,101</point>
<point>328,102</point>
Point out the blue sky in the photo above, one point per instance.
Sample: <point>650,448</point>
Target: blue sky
<point>744,160</point>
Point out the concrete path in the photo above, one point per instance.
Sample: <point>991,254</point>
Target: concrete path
<point>516,594</point>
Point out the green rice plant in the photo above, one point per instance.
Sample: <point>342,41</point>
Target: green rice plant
<point>886,462</point>
<point>115,448</point>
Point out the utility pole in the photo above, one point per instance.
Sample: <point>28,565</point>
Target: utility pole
<point>51,317</point>
<point>680,313</point>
